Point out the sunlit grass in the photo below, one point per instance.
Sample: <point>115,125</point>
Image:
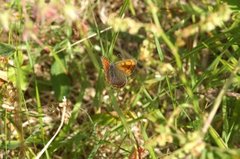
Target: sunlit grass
<point>182,100</point>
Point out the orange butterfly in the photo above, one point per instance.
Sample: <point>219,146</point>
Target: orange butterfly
<point>116,73</point>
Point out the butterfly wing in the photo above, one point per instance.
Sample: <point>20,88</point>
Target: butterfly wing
<point>119,71</point>
<point>126,66</point>
<point>112,74</point>
<point>116,77</point>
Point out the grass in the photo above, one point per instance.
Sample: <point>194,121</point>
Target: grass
<point>182,100</point>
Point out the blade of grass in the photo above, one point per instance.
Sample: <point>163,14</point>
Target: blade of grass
<point>159,50</point>
<point>146,138</point>
<point>39,106</point>
<point>18,109</point>
<point>115,35</point>
<point>218,100</point>
<point>218,140</point>
<point>120,114</point>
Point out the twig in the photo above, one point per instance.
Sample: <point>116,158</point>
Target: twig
<point>58,130</point>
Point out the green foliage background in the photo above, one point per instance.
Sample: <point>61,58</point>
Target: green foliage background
<point>182,100</point>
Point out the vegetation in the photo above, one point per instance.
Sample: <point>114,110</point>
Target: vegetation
<point>181,101</point>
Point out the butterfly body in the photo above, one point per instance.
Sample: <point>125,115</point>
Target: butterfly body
<point>116,73</point>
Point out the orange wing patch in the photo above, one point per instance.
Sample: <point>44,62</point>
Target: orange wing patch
<point>126,66</point>
<point>105,63</point>
<point>106,66</point>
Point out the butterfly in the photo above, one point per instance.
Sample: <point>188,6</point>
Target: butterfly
<point>116,73</point>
